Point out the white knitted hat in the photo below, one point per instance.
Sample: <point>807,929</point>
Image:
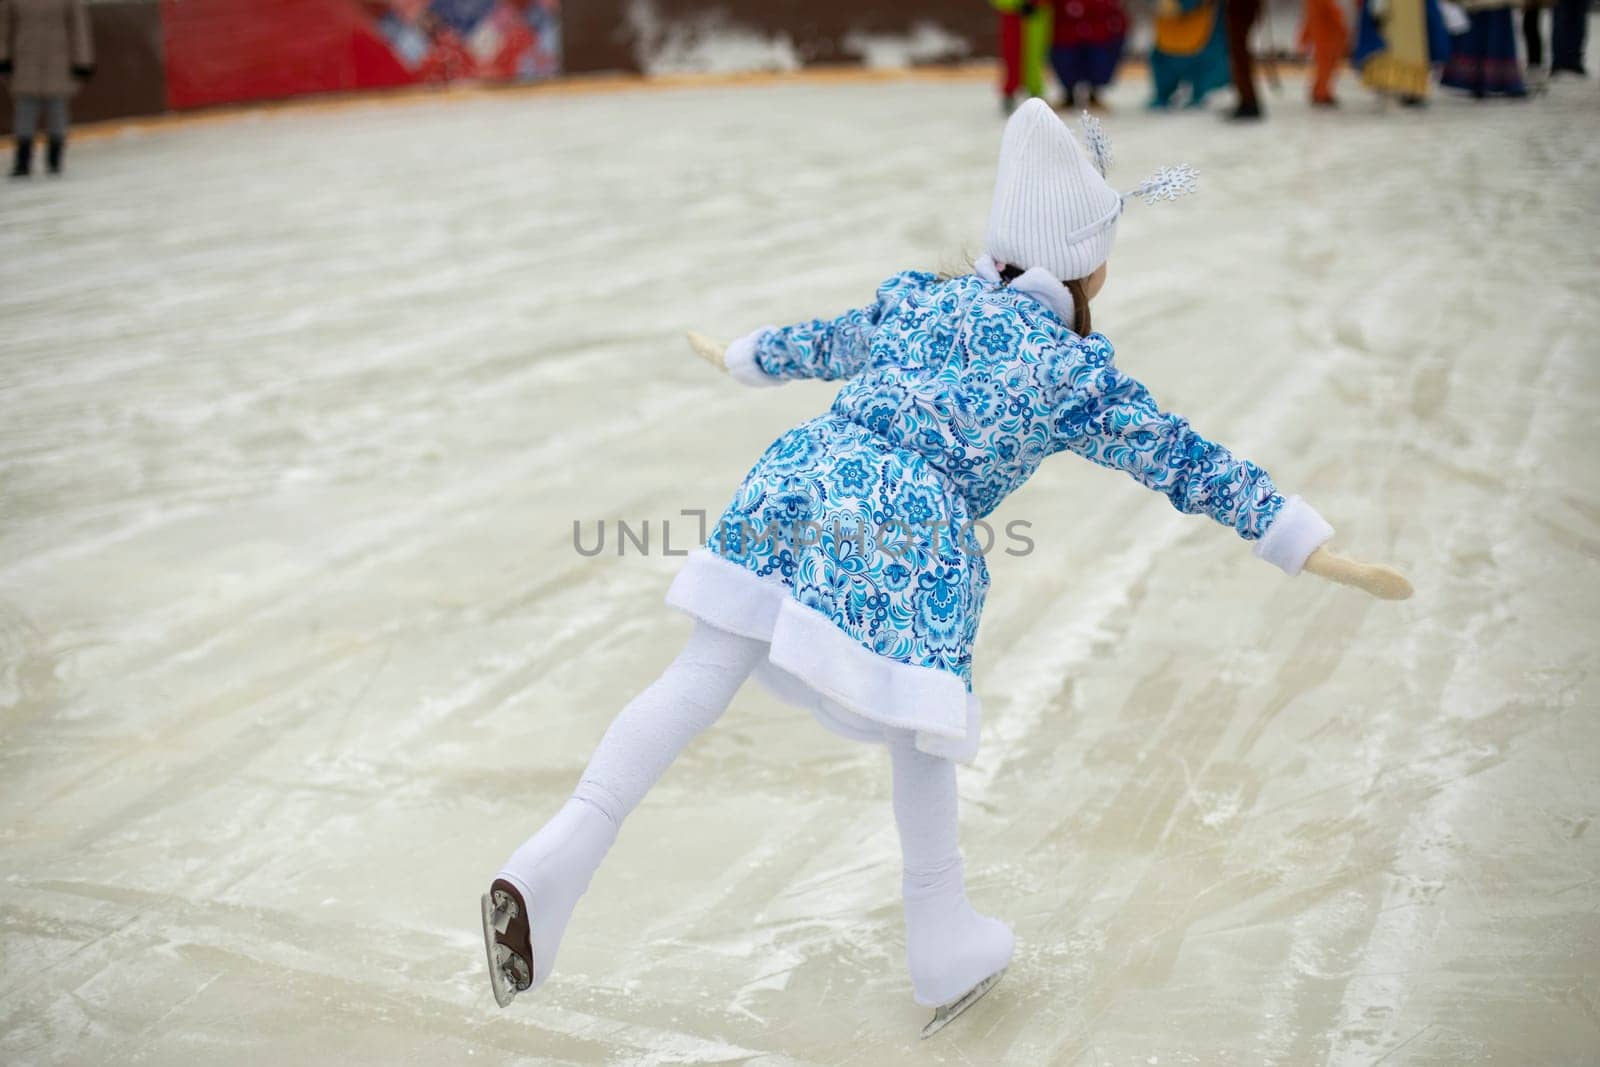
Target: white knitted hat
<point>1052,206</point>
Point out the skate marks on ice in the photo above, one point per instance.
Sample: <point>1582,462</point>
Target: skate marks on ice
<point>296,645</point>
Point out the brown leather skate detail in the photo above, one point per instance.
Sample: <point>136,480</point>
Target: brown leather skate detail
<point>518,936</point>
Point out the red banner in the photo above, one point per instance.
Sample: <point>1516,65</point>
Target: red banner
<point>228,51</point>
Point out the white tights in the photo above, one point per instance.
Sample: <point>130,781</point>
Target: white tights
<point>949,946</point>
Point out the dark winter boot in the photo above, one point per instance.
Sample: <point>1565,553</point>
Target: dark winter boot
<point>23,165</point>
<point>52,154</point>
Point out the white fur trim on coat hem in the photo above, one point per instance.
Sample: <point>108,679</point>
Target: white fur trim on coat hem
<point>814,665</point>
<point>1295,533</point>
<point>741,361</point>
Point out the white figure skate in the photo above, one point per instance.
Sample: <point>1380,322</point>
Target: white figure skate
<point>508,941</point>
<point>946,1015</point>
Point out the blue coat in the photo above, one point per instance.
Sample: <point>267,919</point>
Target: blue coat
<point>850,543</point>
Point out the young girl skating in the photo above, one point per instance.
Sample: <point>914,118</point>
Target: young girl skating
<point>846,573</point>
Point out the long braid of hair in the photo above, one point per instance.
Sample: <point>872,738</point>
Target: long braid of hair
<point>1081,323</point>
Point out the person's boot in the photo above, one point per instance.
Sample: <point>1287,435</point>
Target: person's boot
<point>53,152</point>
<point>22,165</point>
<point>1250,112</point>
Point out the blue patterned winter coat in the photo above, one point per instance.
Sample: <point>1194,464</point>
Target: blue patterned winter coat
<point>849,545</point>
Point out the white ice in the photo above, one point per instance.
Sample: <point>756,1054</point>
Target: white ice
<point>297,411</point>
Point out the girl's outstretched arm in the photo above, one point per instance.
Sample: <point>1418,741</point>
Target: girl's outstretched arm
<point>822,348</point>
<point>1110,418</point>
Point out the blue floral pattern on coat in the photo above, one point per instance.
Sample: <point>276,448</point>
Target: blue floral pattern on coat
<point>958,390</point>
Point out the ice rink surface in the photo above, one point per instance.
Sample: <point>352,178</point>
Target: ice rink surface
<point>297,411</point>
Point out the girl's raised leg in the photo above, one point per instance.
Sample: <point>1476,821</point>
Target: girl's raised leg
<point>532,897</point>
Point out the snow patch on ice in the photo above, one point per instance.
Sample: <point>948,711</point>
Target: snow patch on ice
<point>927,42</point>
<point>705,44</point>
<point>1221,809</point>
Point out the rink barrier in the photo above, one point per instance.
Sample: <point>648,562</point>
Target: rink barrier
<point>161,56</point>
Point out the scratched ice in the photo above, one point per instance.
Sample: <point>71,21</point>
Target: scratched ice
<point>297,412</point>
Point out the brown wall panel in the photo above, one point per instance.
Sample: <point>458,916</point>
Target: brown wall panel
<point>599,37</point>
<point>130,79</point>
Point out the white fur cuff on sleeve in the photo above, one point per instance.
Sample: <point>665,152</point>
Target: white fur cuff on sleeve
<point>741,360</point>
<point>1295,533</point>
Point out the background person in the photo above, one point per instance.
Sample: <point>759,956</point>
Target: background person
<point>1241,18</point>
<point>1326,36</point>
<point>1191,48</point>
<point>1483,60</point>
<point>1087,47</point>
<point>1398,43</point>
<point>1024,40</point>
<point>1568,31</point>
<point>1533,39</point>
<point>47,50</point>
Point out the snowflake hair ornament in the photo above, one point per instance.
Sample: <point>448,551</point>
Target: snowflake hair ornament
<point>1168,183</point>
<point>1099,144</point>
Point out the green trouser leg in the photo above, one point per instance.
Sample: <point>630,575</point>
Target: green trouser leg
<point>1037,31</point>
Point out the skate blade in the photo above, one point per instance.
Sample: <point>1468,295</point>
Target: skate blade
<point>502,971</point>
<point>946,1015</point>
